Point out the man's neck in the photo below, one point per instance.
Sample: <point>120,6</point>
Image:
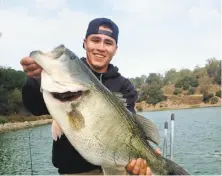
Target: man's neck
<point>98,70</point>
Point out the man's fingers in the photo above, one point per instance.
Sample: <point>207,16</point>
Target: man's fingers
<point>35,73</point>
<point>27,61</point>
<point>131,166</point>
<point>158,151</point>
<point>136,169</point>
<point>143,168</point>
<point>148,171</point>
<point>30,67</point>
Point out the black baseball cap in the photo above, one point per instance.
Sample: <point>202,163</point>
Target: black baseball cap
<point>93,28</point>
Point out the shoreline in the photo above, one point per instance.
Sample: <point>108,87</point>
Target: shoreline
<point>179,108</point>
<point>8,127</point>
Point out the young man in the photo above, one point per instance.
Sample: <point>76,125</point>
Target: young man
<point>100,44</point>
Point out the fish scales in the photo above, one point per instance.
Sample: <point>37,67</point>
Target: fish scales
<point>95,120</point>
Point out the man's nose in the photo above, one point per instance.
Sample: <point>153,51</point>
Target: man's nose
<point>101,46</point>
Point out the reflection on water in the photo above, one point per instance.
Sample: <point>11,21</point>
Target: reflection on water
<point>15,152</point>
<point>197,144</point>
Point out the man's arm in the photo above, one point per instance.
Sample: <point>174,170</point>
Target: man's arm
<point>129,92</point>
<point>32,97</point>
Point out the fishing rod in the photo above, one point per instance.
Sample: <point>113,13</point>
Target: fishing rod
<point>171,138</point>
<point>165,139</point>
<point>30,150</point>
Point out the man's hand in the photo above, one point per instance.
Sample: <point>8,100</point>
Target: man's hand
<point>31,68</point>
<point>139,166</point>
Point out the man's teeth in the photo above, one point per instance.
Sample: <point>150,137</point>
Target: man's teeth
<point>98,55</point>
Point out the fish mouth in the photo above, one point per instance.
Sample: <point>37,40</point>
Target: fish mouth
<point>67,96</point>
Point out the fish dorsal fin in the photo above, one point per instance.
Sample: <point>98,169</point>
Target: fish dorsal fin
<point>149,128</point>
<point>120,97</point>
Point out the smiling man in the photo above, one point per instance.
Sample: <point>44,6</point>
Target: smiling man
<point>100,44</point>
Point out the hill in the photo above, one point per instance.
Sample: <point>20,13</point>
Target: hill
<point>185,88</point>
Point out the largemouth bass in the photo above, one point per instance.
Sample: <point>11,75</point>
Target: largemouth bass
<point>94,119</point>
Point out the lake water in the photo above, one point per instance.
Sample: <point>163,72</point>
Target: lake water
<point>197,144</point>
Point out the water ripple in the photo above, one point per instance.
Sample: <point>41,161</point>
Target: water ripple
<point>197,144</point>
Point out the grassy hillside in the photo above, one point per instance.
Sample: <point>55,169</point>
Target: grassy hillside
<point>184,99</point>
<point>180,89</point>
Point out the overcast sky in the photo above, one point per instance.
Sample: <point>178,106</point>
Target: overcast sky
<point>155,35</point>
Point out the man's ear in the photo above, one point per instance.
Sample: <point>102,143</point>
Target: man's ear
<point>84,44</point>
<point>115,50</point>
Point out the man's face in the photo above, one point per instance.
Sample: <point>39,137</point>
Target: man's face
<point>100,49</point>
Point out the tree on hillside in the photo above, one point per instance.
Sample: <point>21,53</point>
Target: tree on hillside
<point>191,90</point>
<point>170,77</point>
<point>217,78</point>
<point>136,82</point>
<point>177,91</point>
<point>143,93</point>
<point>186,82</point>
<point>143,78</point>
<point>155,94</point>
<point>218,93</point>
<point>11,82</point>
<point>11,78</point>
<point>3,100</point>
<point>207,96</point>
<point>142,96</point>
<point>199,72</point>
<point>155,78</point>
<point>212,66</point>
<point>194,81</point>
<point>184,73</point>
<point>15,97</point>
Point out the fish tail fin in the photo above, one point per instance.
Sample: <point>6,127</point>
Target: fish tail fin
<point>174,169</point>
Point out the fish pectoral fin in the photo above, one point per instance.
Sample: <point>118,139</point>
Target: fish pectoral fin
<point>114,170</point>
<point>149,128</point>
<point>76,120</point>
<point>56,131</point>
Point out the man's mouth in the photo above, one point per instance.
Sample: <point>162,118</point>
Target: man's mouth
<point>67,96</point>
<point>99,55</point>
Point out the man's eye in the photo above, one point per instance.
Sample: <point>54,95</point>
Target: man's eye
<point>96,41</point>
<point>109,43</point>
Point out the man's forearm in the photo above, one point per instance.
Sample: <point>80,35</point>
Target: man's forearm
<point>32,97</point>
